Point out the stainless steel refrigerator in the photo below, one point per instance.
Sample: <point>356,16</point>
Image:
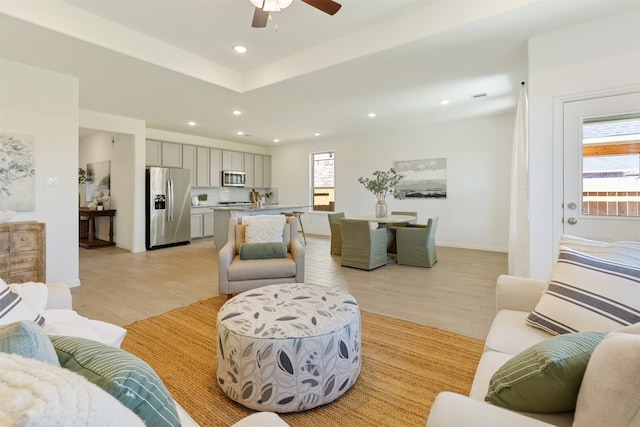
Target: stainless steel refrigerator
<point>168,213</point>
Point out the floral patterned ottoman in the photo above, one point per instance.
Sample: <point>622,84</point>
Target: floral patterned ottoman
<point>288,347</point>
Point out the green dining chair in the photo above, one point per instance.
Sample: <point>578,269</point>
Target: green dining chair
<point>362,246</point>
<point>334,226</point>
<point>416,244</point>
<point>392,229</point>
<point>414,221</point>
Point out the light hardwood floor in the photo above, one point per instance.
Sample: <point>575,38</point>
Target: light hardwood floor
<point>457,294</point>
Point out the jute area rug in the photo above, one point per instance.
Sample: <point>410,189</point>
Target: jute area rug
<point>404,366</point>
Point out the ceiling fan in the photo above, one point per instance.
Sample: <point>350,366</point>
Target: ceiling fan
<point>265,7</point>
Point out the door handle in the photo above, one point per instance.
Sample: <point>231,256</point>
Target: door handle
<point>572,221</point>
<point>170,204</point>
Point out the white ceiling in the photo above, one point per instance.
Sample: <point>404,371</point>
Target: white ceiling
<point>171,61</point>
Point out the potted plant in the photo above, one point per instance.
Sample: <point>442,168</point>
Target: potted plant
<point>381,185</point>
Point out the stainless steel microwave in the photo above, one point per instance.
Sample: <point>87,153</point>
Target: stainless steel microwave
<point>232,179</point>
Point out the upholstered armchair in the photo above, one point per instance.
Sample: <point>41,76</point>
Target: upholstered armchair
<point>362,246</point>
<point>416,244</point>
<point>237,275</point>
<point>334,226</point>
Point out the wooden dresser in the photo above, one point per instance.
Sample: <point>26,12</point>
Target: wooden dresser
<point>23,252</point>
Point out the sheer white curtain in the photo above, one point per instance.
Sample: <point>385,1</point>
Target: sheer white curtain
<point>519,212</point>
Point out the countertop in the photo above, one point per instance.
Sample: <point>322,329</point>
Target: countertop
<point>253,208</point>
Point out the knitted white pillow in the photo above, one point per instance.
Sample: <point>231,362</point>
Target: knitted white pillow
<point>37,394</point>
<point>264,228</point>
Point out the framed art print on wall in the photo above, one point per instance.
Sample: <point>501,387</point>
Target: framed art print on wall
<point>17,172</point>
<point>424,179</point>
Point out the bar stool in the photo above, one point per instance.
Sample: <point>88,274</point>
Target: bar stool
<point>298,215</point>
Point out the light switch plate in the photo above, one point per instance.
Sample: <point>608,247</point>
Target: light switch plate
<point>51,181</point>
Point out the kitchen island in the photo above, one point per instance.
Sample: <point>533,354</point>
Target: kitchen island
<point>223,213</point>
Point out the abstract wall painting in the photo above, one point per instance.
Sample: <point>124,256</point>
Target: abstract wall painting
<point>424,179</point>
<point>17,172</point>
<point>98,180</point>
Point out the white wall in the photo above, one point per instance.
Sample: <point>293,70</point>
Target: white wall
<point>601,55</point>
<point>45,104</point>
<point>475,212</point>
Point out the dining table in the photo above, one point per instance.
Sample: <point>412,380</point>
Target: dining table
<point>383,222</point>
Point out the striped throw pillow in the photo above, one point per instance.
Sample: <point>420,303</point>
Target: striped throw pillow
<point>126,377</point>
<point>13,308</point>
<point>586,293</point>
<point>546,377</point>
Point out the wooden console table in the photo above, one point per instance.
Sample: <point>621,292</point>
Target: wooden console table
<point>90,240</point>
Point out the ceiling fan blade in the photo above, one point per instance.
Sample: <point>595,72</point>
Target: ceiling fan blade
<point>260,18</point>
<point>327,6</point>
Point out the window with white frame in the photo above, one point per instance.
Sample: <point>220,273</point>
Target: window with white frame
<point>323,168</point>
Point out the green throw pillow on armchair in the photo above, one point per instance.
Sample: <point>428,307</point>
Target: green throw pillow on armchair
<point>263,250</point>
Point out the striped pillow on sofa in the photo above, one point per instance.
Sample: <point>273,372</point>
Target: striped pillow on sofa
<point>586,293</point>
<point>13,308</point>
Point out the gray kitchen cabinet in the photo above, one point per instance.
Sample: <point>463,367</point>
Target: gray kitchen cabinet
<point>189,161</point>
<point>258,171</point>
<point>196,226</point>
<point>167,154</point>
<point>153,153</point>
<point>215,167</point>
<point>207,224</point>
<point>267,171</point>
<point>201,222</point>
<point>232,161</point>
<point>171,155</point>
<point>202,167</point>
<point>249,177</point>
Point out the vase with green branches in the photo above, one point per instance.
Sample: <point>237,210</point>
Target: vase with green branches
<point>82,178</point>
<point>381,185</point>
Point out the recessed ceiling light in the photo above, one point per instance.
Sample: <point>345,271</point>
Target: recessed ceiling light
<point>191,123</point>
<point>240,133</point>
<point>316,134</point>
<point>276,140</point>
<point>236,112</point>
<point>371,115</point>
<point>240,49</point>
<point>444,102</point>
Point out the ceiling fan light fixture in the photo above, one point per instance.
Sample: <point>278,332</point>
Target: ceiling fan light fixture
<point>271,5</point>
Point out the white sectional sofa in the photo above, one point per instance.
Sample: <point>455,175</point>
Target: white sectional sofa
<point>516,297</point>
<point>609,385</point>
<point>53,302</point>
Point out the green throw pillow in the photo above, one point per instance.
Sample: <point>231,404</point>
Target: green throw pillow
<point>25,338</point>
<point>126,377</point>
<point>546,377</point>
<point>263,250</point>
